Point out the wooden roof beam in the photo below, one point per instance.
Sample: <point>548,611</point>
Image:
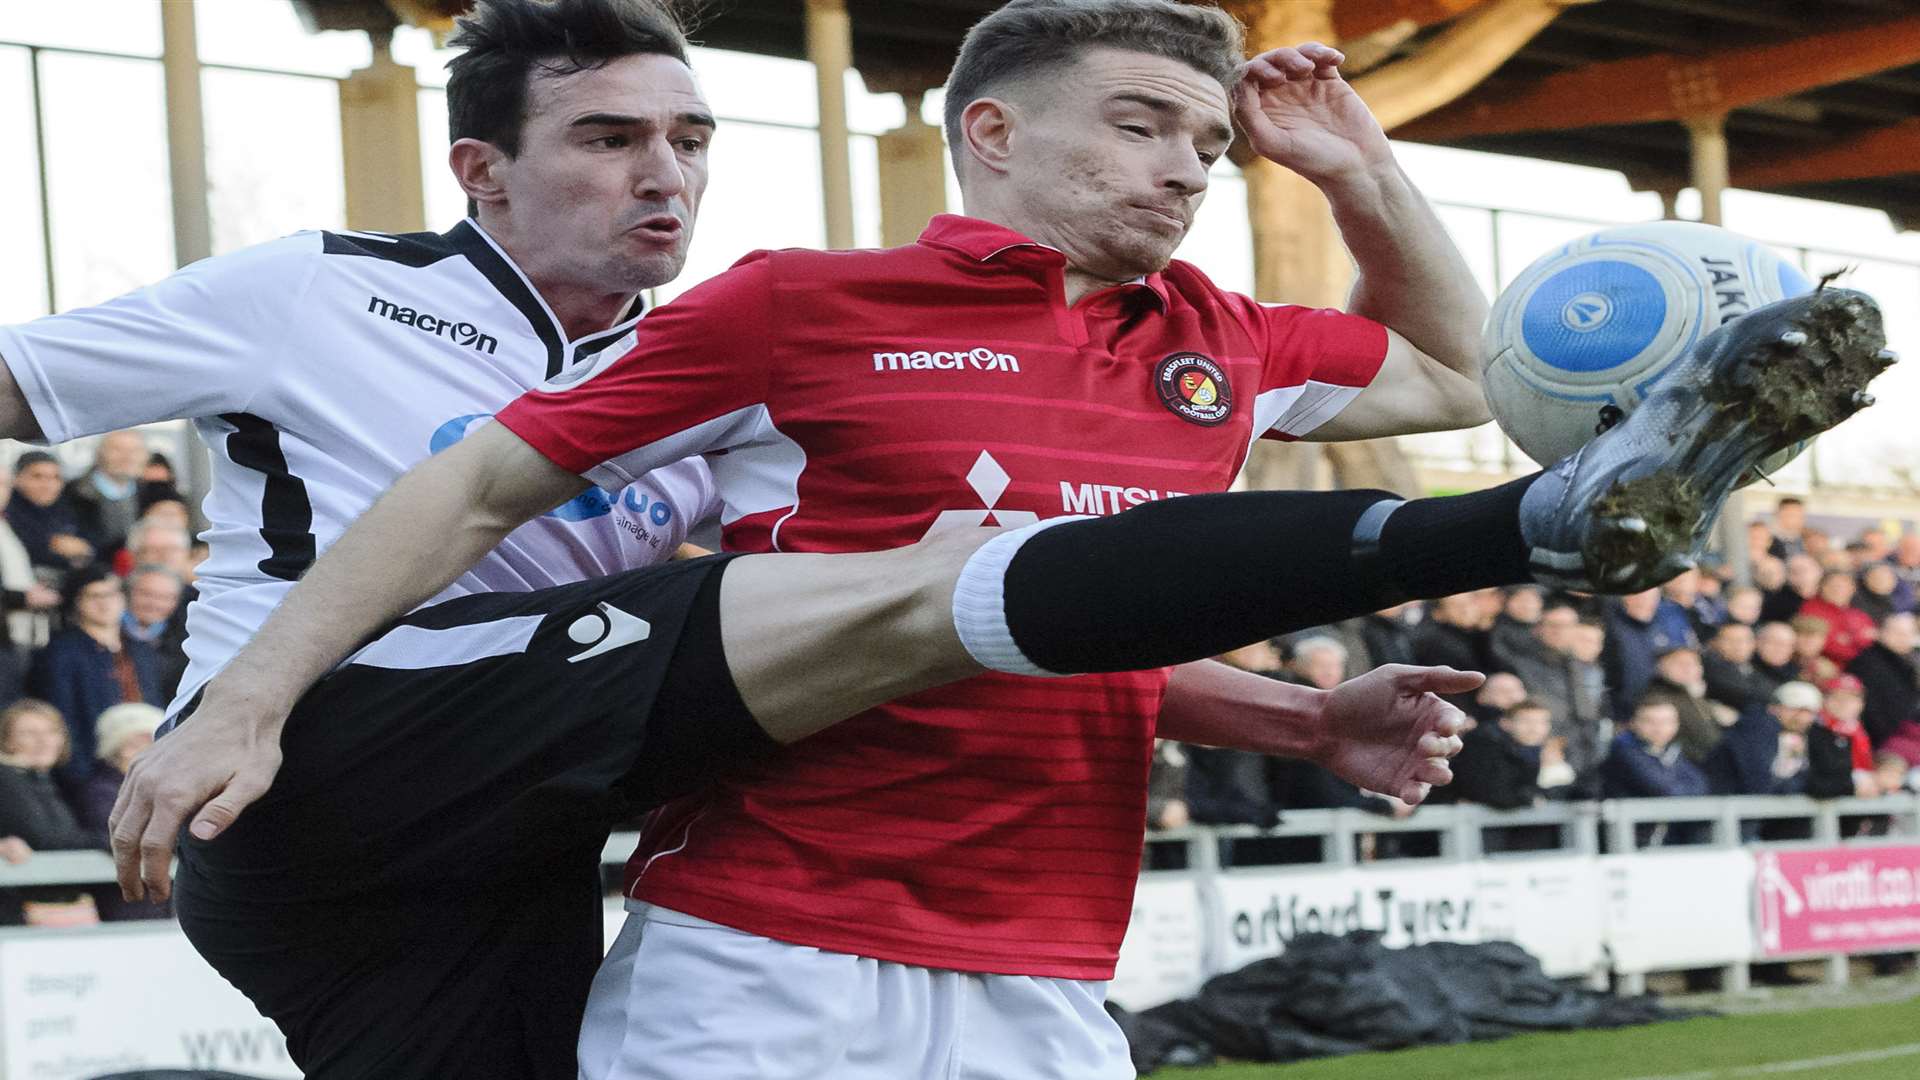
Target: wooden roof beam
<point>1455,61</point>
<point>1357,18</point>
<point>1667,86</point>
<point>1883,151</point>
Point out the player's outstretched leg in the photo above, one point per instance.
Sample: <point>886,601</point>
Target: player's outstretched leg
<point>1190,577</point>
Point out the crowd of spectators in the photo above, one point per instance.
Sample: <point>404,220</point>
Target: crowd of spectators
<point>95,575</point>
<point>1799,676</point>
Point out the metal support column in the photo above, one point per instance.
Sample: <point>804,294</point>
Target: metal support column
<point>380,144</point>
<point>830,48</point>
<point>913,176</point>
<point>1707,133</point>
<point>186,133</point>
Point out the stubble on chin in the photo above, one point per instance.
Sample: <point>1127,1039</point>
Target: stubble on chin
<point>649,271</point>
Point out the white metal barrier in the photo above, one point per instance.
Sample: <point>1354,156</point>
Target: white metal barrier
<point>1584,900</point>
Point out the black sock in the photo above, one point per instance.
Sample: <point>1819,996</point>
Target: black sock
<point>1188,578</point>
<point>1453,544</point>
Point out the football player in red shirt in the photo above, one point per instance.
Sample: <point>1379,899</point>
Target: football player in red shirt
<point>971,851</point>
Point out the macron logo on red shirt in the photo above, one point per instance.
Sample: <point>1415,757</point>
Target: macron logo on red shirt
<point>978,358</point>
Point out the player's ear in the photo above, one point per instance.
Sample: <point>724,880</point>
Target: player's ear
<point>477,166</point>
<point>986,130</point>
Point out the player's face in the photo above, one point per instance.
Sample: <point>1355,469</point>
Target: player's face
<point>612,166</point>
<point>1109,159</point>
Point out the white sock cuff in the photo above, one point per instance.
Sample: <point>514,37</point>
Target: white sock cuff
<point>980,603</point>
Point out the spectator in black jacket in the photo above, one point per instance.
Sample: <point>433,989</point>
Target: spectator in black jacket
<point>1733,679</point>
<point>1765,753</point>
<point>156,616</point>
<point>33,741</point>
<point>105,496</point>
<point>93,664</point>
<point>1678,678</point>
<point>1499,763</point>
<point>1388,634</point>
<point>1521,608</point>
<point>120,734</point>
<point>1166,786</point>
<point>1231,787</point>
<point>1887,670</point>
<point>43,515</point>
<point>1545,664</point>
<point>1303,785</point>
<point>1646,761</point>
<point>1800,584</point>
<point>1789,528</point>
<point>1880,593</point>
<point>1702,613</point>
<point>1588,732</point>
<point>1635,637</point>
<point>1455,634</point>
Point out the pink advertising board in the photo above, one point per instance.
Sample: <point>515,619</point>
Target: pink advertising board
<point>1858,899</point>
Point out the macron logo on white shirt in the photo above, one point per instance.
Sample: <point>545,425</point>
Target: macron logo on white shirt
<point>459,332</point>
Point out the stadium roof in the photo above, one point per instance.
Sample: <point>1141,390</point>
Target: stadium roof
<point>1822,96</point>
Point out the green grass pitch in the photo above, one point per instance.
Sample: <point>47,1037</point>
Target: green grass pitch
<point>1876,1042</point>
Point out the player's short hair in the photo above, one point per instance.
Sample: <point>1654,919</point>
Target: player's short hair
<point>505,44</point>
<point>1028,36</point>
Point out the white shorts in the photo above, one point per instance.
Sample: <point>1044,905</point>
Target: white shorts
<point>681,998</point>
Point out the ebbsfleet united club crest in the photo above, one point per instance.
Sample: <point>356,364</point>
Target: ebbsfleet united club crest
<point>1194,388</point>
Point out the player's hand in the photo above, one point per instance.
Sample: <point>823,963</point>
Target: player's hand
<point>1386,730</point>
<point>1297,111</point>
<point>14,850</point>
<point>42,598</point>
<point>210,769</point>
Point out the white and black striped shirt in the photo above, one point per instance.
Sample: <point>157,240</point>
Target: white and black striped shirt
<point>318,368</point>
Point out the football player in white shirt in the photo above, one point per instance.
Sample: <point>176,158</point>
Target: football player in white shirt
<point>419,893</point>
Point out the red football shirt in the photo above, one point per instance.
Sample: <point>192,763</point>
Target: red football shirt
<point>854,401</point>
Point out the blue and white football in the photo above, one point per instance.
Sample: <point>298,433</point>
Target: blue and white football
<point>1590,325</point>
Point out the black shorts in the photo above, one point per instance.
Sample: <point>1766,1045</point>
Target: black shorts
<point>418,895</point>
